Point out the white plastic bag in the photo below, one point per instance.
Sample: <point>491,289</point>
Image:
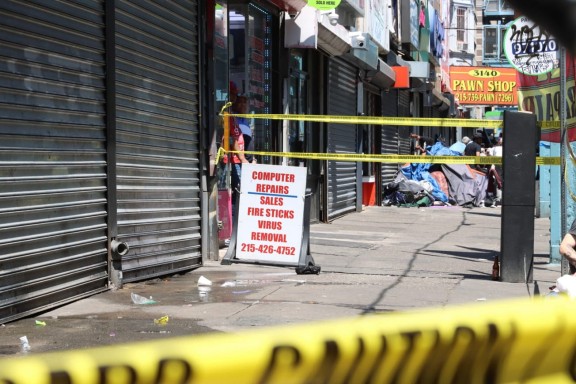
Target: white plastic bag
<point>567,284</point>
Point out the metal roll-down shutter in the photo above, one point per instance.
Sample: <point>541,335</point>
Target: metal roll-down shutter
<point>342,138</point>
<point>158,182</point>
<point>404,132</point>
<point>390,143</point>
<point>53,230</point>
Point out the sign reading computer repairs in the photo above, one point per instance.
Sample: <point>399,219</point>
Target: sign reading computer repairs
<point>270,217</point>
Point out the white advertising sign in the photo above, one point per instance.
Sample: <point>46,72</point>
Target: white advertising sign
<point>271,213</point>
<point>529,49</point>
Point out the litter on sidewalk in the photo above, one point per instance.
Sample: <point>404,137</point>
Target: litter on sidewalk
<point>24,345</point>
<point>202,281</point>
<point>161,321</point>
<point>137,299</point>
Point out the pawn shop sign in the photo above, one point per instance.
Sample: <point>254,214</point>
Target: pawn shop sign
<point>324,5</point>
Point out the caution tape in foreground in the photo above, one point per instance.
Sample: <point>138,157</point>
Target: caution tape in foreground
<point>396,121</point>
<point>531,340</point>
<point>398,159</point>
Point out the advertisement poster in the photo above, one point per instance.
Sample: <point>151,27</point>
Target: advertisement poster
<point>271,212</point>
<point>541,96</point>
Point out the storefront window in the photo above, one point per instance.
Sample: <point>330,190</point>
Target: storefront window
<point>370,133</point>
<point>250,55</point>
<point>221,54</point>
<point>220,79</point>
<point>298,103</point>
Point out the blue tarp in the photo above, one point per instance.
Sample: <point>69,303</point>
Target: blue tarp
<point>420,171</point>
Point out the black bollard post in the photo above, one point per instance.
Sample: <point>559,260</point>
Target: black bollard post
<point>520,140</point>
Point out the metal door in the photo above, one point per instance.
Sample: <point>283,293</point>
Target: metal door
<point>157,145</point>
<point>404,132</point>
<point>342,138</point>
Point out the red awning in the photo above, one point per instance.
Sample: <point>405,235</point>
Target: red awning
<point>290,5</point>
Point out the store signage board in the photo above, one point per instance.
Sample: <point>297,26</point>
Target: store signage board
<point>484,85</point>
<point>324,5</point>
<point>529,49</point>
<point>271,213</point>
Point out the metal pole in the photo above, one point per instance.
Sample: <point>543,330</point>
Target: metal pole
<point>564,266</point>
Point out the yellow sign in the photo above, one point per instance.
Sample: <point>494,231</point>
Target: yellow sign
<point>484,85</point>
<point>324,5</point>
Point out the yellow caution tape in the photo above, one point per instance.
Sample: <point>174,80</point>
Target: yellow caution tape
<point>503,342</point>
<point>396,121</point>
<point>380,120</point>
<point>547,161</point>
<point>398,159</point>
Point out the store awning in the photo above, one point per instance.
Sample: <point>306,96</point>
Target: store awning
<point>290,5</point>
<point>333,39</point>
<point>385,76</point>
<point>419,69</point>
<point>440,100</point>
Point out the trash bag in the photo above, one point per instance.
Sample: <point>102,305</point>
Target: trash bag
<point>407,193</point>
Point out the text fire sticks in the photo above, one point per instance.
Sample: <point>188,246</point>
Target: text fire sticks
<point>270,216</point>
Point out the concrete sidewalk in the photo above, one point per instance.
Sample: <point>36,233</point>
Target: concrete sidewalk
<point>381,259</point>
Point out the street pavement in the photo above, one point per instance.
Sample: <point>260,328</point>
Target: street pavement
<point>382,259</point>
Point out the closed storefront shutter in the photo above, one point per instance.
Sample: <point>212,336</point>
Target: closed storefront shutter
<point>404,132</point>
<point>342,138</point>
<point>390,144</point>
<point>158,136</point>
<point>53,230</point>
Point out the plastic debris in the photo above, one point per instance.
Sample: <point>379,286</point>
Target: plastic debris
<point>162,321</point>
<point>229,284</point>
<point>137,299</point>
<point>566,284</point>
<point>204,281</point>
<point>204,290</point>
<point>41,323</point>
<point>24,345</point>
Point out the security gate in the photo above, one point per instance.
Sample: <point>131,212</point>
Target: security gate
<point>342,138</point>
<point>99,141</point>
<point>53,231</point>
<point>404,132</point>
<point>157,108</point>
<point>390,142</point>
